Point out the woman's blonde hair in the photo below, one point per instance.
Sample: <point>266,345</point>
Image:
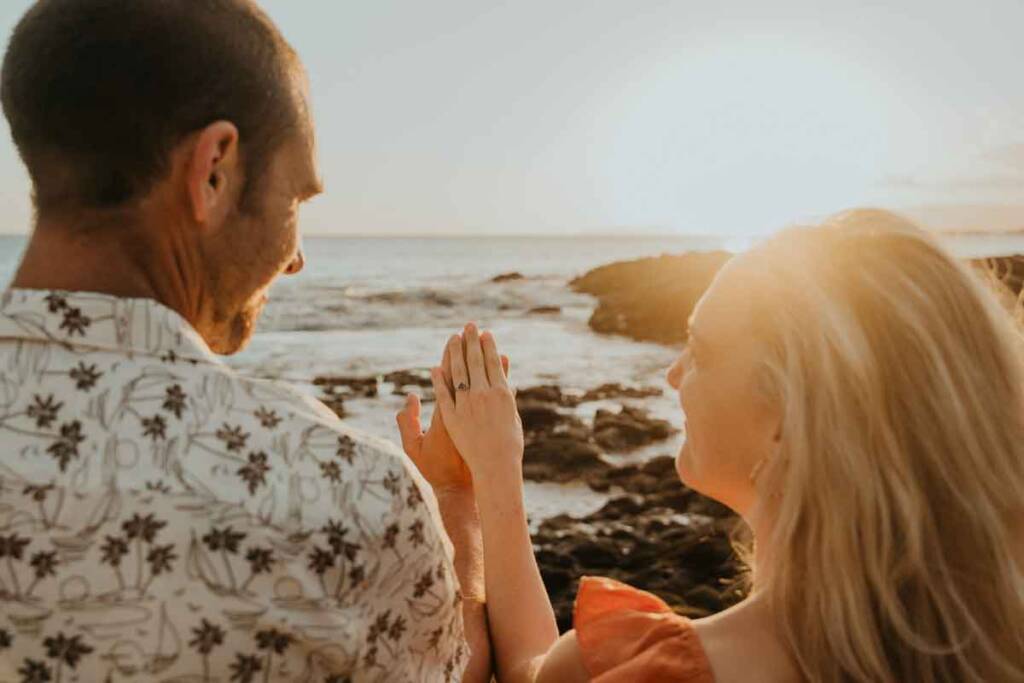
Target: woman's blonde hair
<point>896,499</point>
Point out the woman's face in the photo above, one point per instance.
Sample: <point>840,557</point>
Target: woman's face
<point>729,426</point>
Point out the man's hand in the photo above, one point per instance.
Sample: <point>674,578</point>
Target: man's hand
<point>433,452</point>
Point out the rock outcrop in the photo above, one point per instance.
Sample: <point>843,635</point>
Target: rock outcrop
<point>649,299</point>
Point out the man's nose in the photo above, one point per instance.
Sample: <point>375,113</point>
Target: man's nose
<point>297,263</point>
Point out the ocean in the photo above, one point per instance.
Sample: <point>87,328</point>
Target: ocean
<point>368,306</point>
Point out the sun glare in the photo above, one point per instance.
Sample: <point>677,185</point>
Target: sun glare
<point>748,134</point>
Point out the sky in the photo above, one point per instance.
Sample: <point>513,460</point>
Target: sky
<point>628,116</point>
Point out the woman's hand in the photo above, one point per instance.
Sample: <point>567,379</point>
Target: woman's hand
<point>433,452</point>
<point>479,407</point>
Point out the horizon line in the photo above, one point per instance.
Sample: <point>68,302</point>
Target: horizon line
<point>567,235</point>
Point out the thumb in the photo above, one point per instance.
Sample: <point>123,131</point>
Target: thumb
<point>409,423</point>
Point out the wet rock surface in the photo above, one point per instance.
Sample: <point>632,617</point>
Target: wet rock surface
<point>653,532</point>
<point>336,389</point>
<point>552,393</point>
<point>649,299</point>
<point>418,378</point>
<point>628,429</point>
<point>660,537</point>
<point>560,447</point>
<point>508,277</point>
<point>351,387</point>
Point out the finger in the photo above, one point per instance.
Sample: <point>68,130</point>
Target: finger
<point>506,366</point>
<point>446,369</point>
<point>445,400</point>
<point>460,375</point>
<point>475,358</point>
<point>409,423</point>
<point>492,360</point>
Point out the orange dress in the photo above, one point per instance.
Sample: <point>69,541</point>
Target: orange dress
<point>628,635</point>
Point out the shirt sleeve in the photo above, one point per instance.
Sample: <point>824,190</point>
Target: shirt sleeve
<point>414,629</point>
<point>629,635</point>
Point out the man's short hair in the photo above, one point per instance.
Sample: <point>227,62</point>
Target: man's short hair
<point>99,92</point>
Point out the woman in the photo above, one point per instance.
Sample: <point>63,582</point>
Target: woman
<point>856,396</point>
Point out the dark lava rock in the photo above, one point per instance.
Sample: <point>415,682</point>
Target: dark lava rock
<point>405,378</point>
<point>544,393</point>
<point>616,390</point>
<point>335,402</point>
<point>545,310</point>
<point>685,559</point>
<point>629,429</point>
<point>552,393</point>
<point>562,459</point>
<point>543,418</point>
<point>352,387</point>
<point>649,299</point>
<point>507,277</point>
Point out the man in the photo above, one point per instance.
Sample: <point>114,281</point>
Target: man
<point>162,518</point>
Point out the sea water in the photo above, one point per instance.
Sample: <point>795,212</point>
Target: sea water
<point>367,306</point>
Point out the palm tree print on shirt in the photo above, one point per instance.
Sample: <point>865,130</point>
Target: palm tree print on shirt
<point>150,492</point>
<point>66,651</point>
<point>142,530</point>
<point>272,641</point>
<point>207,637</point>
<point>261,561</point>
<point>226,541</point>
<point>12,548</point>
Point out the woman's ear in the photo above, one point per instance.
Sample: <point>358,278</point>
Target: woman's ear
<point>213,173</point>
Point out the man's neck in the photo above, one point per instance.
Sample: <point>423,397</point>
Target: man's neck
<point>119,260</point>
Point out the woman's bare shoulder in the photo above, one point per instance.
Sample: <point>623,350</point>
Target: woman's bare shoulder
<point>743,644</point>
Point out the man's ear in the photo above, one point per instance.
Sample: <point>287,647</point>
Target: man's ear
<point>214,172</point>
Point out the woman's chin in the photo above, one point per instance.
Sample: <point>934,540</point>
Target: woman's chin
<point>683,465</point>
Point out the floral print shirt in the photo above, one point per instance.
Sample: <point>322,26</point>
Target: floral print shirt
<point>164,519</point>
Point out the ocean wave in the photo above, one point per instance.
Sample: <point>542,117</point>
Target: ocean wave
<point>315,306</point>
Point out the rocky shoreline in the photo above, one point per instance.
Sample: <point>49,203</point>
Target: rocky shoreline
<point>652,533</point>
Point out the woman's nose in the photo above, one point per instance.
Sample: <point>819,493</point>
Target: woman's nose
<point>297,263</point>
<point>672,374</point>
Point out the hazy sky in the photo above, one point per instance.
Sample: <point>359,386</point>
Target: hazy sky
<point>550,116</point>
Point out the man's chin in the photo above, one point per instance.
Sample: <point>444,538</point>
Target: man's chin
<point>238,333</point>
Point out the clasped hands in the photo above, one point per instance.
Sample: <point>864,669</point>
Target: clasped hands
<point>475,434</point>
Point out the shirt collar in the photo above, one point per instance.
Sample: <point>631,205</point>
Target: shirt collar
<point>87,320</point>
